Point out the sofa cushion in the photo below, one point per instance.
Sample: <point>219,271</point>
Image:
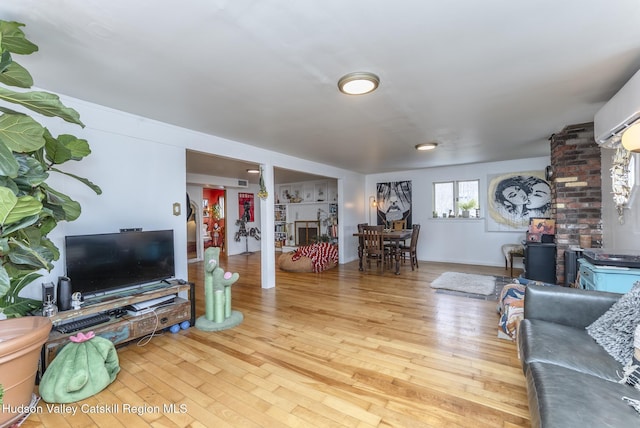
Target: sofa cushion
<point>560,397</point>
<point>570,347</point>
<point>614,329</point>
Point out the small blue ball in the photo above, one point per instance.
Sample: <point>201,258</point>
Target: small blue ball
<point>174,328</point>
<point>185,325</point>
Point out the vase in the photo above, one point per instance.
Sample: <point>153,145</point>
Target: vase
<point>21,340</point>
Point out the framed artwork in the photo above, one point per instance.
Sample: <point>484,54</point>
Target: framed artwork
<point>320,194</point>
<point>246,207</point>
<point>333,194</point>
<point>307,192</point>
<point>514,198</point>
<point>393,202</point>
<point>543,226</point>
<point>205,208</point>
<point>296,193</point>
<point>285,194</point>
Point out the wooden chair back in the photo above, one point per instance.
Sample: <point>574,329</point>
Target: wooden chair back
<point>399,224</point>
<point>415,233</point>
<point>372,242</point>
<point>360,238</point>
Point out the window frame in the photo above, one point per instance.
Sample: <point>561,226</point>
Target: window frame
<point>456,197</point>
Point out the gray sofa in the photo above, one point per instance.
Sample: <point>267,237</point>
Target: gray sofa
<point>571,380</point>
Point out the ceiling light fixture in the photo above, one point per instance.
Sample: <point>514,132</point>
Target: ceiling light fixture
<point>358,83</point>
<point>253,171</point>
<point>426,146</point>
<point>631,138</point>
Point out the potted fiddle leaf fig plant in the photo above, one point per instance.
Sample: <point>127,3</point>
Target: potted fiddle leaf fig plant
<point>29,207</point>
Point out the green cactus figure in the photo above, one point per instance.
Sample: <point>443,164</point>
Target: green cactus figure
<point>217,289</point>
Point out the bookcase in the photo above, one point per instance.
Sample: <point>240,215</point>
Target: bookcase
<point>280,222</point>
<point>289,217</point>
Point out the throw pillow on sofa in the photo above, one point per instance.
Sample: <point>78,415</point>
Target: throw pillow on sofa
<point>631,372</point>
<point>614,330</point>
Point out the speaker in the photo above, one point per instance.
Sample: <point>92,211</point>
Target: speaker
<point>64,293</point>
<point>48,293</point>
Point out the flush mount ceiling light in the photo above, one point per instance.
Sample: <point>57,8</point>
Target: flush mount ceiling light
<point>358,83</point>
<point>426,146</point>
<point>253,171</point>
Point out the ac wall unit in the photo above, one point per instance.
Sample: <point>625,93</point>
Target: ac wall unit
<point>619,113</point>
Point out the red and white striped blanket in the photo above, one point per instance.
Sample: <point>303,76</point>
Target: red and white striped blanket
<point>323,255</point>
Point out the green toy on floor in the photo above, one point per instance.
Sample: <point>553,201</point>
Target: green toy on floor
<point>84,367</point>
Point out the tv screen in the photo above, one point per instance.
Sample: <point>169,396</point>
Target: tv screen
<point>106,262</point>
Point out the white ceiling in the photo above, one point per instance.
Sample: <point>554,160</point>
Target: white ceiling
<point>488,80</point>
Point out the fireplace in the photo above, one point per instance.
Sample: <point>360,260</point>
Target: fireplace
<point>307,232</point>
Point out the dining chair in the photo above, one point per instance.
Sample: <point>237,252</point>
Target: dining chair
<point>395,225</point>
<point>372,245</point>
<point>411,249</point>
<point>361,239</point>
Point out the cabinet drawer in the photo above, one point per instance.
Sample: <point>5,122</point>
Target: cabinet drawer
<point>587,280</point>
<point>160,319</point>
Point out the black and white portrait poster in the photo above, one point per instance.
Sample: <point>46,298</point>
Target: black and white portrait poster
<point>516,197</point>
<point>394,202</point>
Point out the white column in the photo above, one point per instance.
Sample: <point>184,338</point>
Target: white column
<point>267,240</point>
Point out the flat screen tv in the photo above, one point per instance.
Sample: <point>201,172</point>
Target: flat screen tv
<point>103,263</point>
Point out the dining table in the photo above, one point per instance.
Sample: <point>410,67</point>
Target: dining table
<point>389,235</point>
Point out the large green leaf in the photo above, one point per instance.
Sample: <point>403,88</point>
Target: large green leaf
<point>16,75</point>
<point>20,307</point>
<point>27,254</point>
<point>14,40</point>
<point>10,184</point>
<point>5,61</point>
<point>18,225</point>
<point>44,103</point>
<point>21,133</point>
<point>5,281</point>
<point>10,111</point>
<point>47,223</point>
<point>55,199</point>
<point>86,181</point>
<point>64,148</point>
<point>49,245</point>
<point>30,174</point>
<point>11,304</point>
<point>8,163</point>
<point>13,209</point>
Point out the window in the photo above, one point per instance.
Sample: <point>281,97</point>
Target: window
<point>456,198</point>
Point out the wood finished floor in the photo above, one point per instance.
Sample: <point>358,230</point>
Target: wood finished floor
<point>342,348</point>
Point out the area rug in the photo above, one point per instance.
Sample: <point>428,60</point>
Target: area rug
<point>466,283</point>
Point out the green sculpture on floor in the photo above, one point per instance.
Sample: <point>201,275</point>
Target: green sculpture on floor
<point>217,295</point>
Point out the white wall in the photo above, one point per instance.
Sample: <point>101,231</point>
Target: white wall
<point>140,165</point>
<point>140,180</point>
<point>456,240</point>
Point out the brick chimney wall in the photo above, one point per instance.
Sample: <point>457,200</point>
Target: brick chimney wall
<point>576,193</point>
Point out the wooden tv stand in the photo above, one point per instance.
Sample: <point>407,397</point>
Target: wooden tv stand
<point>126,328</point>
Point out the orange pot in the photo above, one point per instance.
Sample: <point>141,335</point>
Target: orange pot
<point>21,340</point>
